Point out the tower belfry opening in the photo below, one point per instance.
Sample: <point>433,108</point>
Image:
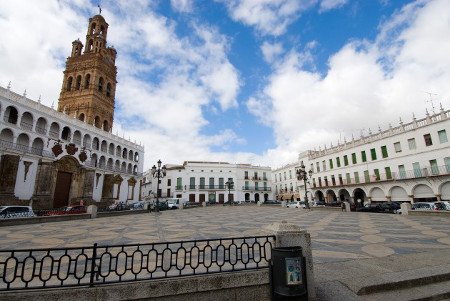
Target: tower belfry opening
<point>89,84</point>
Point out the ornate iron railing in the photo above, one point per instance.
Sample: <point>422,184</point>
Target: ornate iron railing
<point>97,265</point>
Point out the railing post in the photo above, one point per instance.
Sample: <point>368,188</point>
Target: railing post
<point>93,266</point>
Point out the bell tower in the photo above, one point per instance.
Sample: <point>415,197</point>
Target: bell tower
<point>89,84</point>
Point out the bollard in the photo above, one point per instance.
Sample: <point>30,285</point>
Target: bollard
<point>405,207</point>
<point>92,210</point>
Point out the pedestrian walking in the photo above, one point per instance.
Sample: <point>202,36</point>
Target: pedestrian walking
<point>343,206</point>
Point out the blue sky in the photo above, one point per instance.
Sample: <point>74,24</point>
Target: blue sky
<point>247,81</point>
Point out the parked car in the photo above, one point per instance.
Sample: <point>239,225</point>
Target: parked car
<point>273,202</point>
<point>16,211</point>
<point>174,203</point>
<point>424,206</point>
<point>446,204</point>
<point>296,204</point>
<point>385,207</point>
<point>162,205</point>
<point>319,203</point>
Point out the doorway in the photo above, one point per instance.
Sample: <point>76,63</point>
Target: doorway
<point>62,189</point>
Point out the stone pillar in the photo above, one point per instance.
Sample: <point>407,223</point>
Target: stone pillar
<point>92,210</point>
<point>259,203</point>
<point>411,199</point>
<point>44,185</point>
<point>347,207</point>
<point>438,197</point>
<point>88,184</point>
<point>405,207</point>
<point>290,235</point>
<point>283,204</point>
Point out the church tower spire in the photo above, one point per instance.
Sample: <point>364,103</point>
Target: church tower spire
<point>89,84</point>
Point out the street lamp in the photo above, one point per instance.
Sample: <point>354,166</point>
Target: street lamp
<point>158,173</point>
<point>305,176</point>
<point>229,184</point>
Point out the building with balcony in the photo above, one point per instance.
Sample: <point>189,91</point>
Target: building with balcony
<point>285,183</point>
<point>198,182</point>
<point>50,158</point>
<point>409,162</point>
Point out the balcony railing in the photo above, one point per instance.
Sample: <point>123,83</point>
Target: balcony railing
<point>394,176</point>
<point>26,126</point>
<point>254,188</point>
<point>25,149</point>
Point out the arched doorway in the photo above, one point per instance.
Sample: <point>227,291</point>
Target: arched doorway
<point>266,197</point>
<point>445,191</point>
<point>331,197</point>
<point>247,197</point>
<point>67,171</point>
<point>423,193</point>
<point>359,197</point>
<point>399,194</point>
<point>344,195</point>
<point>319,196</point>
<point>256,197</point>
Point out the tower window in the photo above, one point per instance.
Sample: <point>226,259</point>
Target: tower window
<point>69,83</point>
<point>79,82</point>
<point>108,89</point>
<point>100,84</point>
<point>93,28</point>
<point>87,80</point>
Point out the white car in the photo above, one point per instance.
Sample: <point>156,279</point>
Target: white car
<point>175,203</point>
<point>296,204</point>
<point>16,211</point>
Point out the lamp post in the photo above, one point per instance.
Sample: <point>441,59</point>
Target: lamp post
<point>305,176</point>
<point>229,184</point>
<point>158,173</point>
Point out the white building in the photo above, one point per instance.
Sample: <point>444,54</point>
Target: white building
<point>410,162</point>
<point>285,183</point>
<point>52,158</point>
<point>198,182</point>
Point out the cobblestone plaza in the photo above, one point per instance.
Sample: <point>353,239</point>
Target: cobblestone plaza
<point>336,236</point>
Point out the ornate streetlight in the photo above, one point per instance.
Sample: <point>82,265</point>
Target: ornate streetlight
<point>229,184</point>
<point>158,173</point>
<point>305,176</point>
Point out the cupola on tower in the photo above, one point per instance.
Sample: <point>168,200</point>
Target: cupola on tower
<point>89,84</point>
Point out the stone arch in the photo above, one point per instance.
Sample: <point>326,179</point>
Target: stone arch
<point>423,192</point>
<point>66,133</point>
<point>41,126</point>
<point>27,120</point>
<point>77,137</point>
<point>330,196</point>
<point>81,117</point>
<point>102,162</point>
<point>109,164</point>
<point>247,197</point>
<point>343,195</point>
<point>87,80</point>
<point>101,83</point>
<point>377,194</point>
<point>68,164</point>
<point>118,151</point>
<point>106,125</point>
<point>95,143</point>
<point>104,146</point>
<point>256,197</point>
<point>37,146</point>
<point>117,165</point>
<point>130,155</point>
<point>7,136</point>
<point>136,157</point>
<point>359,196</point>
<point>318,195</point>
<point>108,90</point>
<point>130,168</point>
<point>123,168</point>
<point>78,84</point>
<point>23,142</point>
<point>124,153</point>
<point>111,149</point>
<point>87,141</point>
<point>135,169</point>
<point>69,83</point>
<point>54,130</point>
<point>97,121</point>
<point>11,115</point>
<point>398,194</point>
<point>444,191</point>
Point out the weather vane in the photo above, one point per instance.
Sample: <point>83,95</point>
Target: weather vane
<point>99,9</point>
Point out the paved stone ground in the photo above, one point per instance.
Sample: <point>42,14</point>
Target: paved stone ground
<point>336,236</point>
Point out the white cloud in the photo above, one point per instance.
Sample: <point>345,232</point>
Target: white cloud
<point>165,113</point>
<point>271,51</point>
<point>331,4</point>
<point>367,83</point>
<point>269,17</point>
<point>183,6</point>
